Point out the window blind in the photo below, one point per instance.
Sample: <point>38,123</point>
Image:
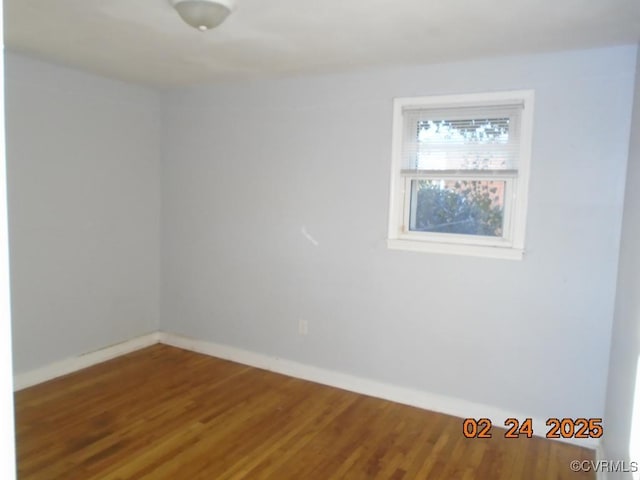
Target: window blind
<point>469,138</point>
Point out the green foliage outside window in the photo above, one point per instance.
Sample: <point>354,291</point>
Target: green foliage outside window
<point>472,207</point>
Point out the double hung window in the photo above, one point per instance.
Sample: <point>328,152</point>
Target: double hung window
<point>460,173</point>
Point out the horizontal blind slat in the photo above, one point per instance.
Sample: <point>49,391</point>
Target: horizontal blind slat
<point>474,173</point>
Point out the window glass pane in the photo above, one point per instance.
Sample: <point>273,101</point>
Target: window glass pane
<point>470,207</point>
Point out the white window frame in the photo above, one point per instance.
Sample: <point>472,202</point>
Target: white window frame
<point>511,244</point>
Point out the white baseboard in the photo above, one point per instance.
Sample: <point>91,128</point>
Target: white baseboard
<point>70,365</point>
<point>406,396</point>
<point>416,398</point>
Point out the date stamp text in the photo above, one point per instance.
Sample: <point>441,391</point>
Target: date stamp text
<point>556,428</point>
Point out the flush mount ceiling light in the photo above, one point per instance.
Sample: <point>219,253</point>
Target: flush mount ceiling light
<point>203,14</point>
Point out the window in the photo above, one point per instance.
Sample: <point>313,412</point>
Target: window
<point>460,170</point>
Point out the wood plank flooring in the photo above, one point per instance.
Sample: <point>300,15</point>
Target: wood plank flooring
<point>165,413</point>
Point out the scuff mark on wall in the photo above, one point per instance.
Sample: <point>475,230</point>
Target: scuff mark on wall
<point>308,236</point>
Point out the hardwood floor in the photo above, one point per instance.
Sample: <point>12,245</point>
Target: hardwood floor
<point>165,413</point>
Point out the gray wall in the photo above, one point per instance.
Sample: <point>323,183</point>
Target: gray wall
<point>83,180</point>
<point>625,342</point>
<point>246,167</point>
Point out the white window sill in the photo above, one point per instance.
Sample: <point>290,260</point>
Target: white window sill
<point>508,253</point>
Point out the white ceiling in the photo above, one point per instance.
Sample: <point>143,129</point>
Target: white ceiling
<point>144,41</point>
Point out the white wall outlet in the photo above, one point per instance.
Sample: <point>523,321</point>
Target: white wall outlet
<point>303,327</point>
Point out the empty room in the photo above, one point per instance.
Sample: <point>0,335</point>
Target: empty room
<point>295,239</point>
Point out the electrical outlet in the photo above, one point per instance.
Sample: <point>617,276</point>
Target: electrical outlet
<point>303,327</point>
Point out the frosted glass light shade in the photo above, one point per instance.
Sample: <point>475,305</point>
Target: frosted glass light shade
<point>203,14</point>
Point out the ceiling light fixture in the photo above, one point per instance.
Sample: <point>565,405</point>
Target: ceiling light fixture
<point>203,14</point>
